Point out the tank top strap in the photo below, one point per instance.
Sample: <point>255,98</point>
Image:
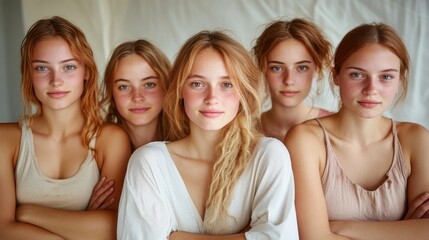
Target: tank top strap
<point>325,133</point>
<point>398,157</point>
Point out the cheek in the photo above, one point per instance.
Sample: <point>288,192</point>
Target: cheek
<point>121,100</point>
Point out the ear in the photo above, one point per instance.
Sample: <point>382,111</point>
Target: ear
<point>335,77</point>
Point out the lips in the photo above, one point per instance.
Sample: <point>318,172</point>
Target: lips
<point>368,103</point>
<point>139,110</point>
<point>289,93</point>
<point>58,94</point>
<point>211,113</point>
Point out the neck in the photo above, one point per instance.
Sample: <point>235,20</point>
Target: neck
<point>202,144</point>
<point>59,123</point>
<point>287,117</point>
<point>142,134</point>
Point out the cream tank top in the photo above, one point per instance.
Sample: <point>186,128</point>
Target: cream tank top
<point>32,186</point>
<point>348,201</point>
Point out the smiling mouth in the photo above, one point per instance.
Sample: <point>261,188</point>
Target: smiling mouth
<point>289,93</point>
<point>211,114</point>
<point>57,94</point>
<point>369,104</point>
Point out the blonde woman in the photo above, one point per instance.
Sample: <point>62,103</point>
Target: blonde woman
<point>52,160</point>
<point>218,178</point>
<point>291,54</point>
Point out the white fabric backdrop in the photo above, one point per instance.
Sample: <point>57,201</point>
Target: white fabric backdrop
<point>168,23</point>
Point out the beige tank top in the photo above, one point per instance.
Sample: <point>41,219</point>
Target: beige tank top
<point>32,186</point>
<point>348,201</point>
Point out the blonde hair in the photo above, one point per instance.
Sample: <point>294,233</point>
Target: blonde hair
<point>239,137</point>
<point>302,30</point>
<point>374,33</point>
<point>57,27</point>
<point>156,59</point>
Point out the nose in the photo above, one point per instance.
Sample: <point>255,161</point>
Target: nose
<point>288,78</point>
<point>56,80</point>
<point>137,95</point>
<point>211,98</point>
<point>371,86</point>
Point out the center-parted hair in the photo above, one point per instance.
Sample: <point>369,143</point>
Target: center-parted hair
<point>156,59</point>
<point>239,137</point>
<point>309,34</point>
<point>374,33</point>
<point>57,27</point>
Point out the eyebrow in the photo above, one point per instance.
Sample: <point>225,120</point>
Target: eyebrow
<point>300,62</point>
<point>385,70</point>
<point>201,76</point>
<point>144,79</point>
<point>42,61</point>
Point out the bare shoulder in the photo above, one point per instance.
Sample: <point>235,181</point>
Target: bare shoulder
<point>305,137</point>
<point>306,130</point>
<point>10,138</point>
<point>412,135</point>
<point>110,132</point>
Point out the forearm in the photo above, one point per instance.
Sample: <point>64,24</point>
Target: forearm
<point>194,236</point>
<point>96,224</point>
<point>23,231</point>
<point>407,229</point>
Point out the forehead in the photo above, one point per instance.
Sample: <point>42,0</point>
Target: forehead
<point>289,49</point>
<point>52,47</point>
<point>373,56</point>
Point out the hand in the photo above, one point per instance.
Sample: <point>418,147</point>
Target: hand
<point>419,208</point>
<point>102,195</point>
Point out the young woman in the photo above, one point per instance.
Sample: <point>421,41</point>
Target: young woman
<point>218,178</point>
<point>356,170</point>
<point>52,159</point>
<point>290,54</point>
<point>135,81</point>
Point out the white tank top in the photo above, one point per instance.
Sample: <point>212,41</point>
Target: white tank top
<point>32,186</point>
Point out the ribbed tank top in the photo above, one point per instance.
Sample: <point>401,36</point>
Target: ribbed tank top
<point>32,186</point>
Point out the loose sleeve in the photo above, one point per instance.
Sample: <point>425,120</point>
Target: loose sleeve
<point>142,212</point>
<point>273,209</point>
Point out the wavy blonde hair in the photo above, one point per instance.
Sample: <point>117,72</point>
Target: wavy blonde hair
<point>309,34</point>
<point>157,60</point>
<point>239,137</point>
<point>57,27</point>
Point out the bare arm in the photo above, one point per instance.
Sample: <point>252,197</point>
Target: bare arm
<point>306,147</point>
<point>10,228</point>
<point>113,151</point>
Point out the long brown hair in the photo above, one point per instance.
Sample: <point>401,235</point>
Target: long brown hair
<point>374,33</point>
<point>157,60</point>
<point>79,46</point>
<point>237,138</point>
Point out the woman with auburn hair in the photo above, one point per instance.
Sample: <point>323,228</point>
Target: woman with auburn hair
<point>135,81</point>
<point>218,178</point>
<point>291,54</point>
<point>53,158</point>
<point>363,175</point>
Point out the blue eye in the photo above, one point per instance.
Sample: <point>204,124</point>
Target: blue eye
<point>303,68</point>
<point>196,84</point>
<point>356,75</point>
<point>70,67</point>
<point>276,68</point>
<point>41,68</point>
<point>123,87</point>
<point>387,77</point>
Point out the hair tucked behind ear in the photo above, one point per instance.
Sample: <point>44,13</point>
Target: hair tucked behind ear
<point>239,137</point>
<point>57,27</point>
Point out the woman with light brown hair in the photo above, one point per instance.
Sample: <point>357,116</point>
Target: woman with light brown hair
<point>135,81</point>
<point>53,158</point>
<point>291,54</point>
<point>218,178</point>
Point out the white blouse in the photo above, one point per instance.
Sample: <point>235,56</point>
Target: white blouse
<point>155,200</point>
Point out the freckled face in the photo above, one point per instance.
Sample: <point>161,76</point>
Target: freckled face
<point>58,77</point>
<point>137,91</point>
<point>289,73</point>
<point>210,99</point>
<point>369,80</point>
